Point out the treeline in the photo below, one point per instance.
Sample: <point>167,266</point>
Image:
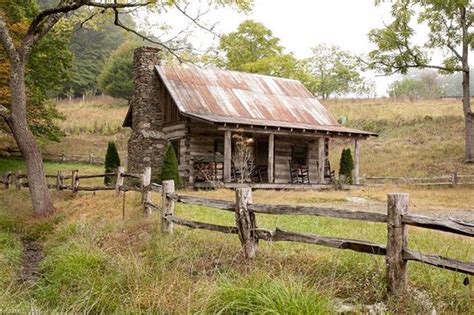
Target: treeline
<point>329,72</point>
<point>424,84</point>
<point>91,43</point>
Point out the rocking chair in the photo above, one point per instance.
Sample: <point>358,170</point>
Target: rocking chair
<point>299,174</point>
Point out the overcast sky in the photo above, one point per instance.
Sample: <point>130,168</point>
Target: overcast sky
<point>302,24</point>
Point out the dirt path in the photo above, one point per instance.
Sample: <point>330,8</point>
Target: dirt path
<point>32,256</point>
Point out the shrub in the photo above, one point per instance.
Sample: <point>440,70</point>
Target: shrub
<point>346,166</point>
<point>112,162</point>
<point>170,169</point>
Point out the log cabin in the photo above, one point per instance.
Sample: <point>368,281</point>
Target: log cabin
<point>200,112</point>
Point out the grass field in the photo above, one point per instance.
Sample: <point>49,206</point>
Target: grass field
<point>96,262</point>
<point>421,138</point>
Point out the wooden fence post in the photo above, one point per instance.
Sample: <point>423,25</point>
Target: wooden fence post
<point>396,243</point>
<point>75,181</point>
<point>119,181</point>
<point>454,178</point>
<point>59,181</point>
<point>18,180</point>
<point>245,221</point>
<point>146,198</point>
<point>168,206</point>
<point>6,182</point>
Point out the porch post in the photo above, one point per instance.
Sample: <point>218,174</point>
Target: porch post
<point>321,160</point>
<point>227,155</point>
<point>271,147</point>
<point>355,173</point>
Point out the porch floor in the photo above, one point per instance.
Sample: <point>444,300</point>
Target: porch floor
<point>270,186</point>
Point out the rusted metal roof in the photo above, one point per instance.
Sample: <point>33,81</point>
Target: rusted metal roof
<point>223,96</point>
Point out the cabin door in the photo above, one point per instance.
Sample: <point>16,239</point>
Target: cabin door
<point>261,153</point>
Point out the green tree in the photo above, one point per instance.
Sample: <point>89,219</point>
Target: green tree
<point>337,72</point>
<point>19,48</point>
<point>253,48</point>
<point>251,42</point>
<point>346,165</point>
<point>92,44</point>
<point>112,162</point>
<point>449,24</point>
<point>421,84</point>
<point>47,69</point>
<point>115,78</point>
<point>170,168</point>
<point>452,84</point>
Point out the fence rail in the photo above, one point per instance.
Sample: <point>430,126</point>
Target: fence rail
<point>451,179</point>
<point>89,159</point>
<point>18,180</point>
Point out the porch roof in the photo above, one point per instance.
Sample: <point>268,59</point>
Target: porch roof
<point>231,97</point>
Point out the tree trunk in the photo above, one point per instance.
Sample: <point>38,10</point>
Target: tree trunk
<point>468,118</point>
<point>466,93</point>
<point>40,197</point>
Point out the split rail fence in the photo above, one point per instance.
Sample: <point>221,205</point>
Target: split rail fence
<point>19,180</point>
<point>89,159</point>
<point>398,219</point>
<point>451,179</point>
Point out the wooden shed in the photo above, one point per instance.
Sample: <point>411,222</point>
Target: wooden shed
<point>200,112</point>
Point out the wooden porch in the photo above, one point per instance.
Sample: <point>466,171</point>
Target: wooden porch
<point>274,186</point>
<point>283,160</point>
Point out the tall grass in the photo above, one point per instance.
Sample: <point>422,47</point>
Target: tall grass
<point>95,262</point>
<point>262,295</point>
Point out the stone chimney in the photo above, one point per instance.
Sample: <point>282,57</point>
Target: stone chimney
<point>146,143</point>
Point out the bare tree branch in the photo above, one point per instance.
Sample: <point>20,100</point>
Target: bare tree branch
<point>4,113</point>
<point>195,20</point>
<point>46,19</point>
<point>62,9</point>
<point>7,41</point>
<point>30,39</point>
<point>455,52</point>
<point>91,17</point>
<point>118,23</point>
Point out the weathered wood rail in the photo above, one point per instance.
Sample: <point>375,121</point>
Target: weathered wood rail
<point>450,179</point>
<point>19,180</point>
<point>397,220</point>
<point>89,158</point>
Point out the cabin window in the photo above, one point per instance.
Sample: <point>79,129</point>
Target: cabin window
<point>299,154</point>
<point>176,147</point>
<point>170,113</point>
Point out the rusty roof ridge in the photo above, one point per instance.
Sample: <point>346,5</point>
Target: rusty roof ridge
<point>190,65</point>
